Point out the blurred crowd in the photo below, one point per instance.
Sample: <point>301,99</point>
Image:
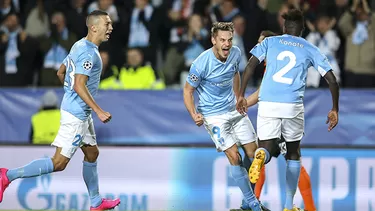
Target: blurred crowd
<point>155,41</point>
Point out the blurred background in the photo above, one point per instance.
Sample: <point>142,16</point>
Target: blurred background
<point>152,155</point>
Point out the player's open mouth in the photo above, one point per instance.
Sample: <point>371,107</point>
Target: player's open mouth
<point>107,35</point>
<point>225,51</point>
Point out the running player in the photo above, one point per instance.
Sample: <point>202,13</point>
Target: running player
<point>281,111</point>
<point>83,67</point>
<point>215,77</point>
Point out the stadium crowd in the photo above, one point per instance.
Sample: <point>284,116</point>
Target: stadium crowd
<point>155,41</point>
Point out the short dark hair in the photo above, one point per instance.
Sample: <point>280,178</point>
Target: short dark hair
<point>97,13</point>
<point>221,26</point>
<point>294,21</point>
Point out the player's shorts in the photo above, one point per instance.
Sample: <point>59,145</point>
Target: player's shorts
<point>292,129</point>
<point>74,133</point>
<point>229,129</point>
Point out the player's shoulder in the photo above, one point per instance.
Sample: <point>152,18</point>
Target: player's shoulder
<point>202,59</point>
<point>82,48</point>
<point>235,49</point>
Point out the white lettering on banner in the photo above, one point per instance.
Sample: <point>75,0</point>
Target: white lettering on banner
<point>365,194</point>
<point>333,181</point>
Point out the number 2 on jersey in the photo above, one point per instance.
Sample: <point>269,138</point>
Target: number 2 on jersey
<point>279,76</point>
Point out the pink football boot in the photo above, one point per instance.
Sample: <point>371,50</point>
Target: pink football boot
<point>4,182</point>
<point>106,205</point>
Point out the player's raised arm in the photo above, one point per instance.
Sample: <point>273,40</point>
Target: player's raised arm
<point>193,80</point>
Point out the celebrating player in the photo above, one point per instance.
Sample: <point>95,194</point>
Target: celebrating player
<point>80,74</point>
<point>280,110</point>
<point>215,77</point>
<point>304,183</point>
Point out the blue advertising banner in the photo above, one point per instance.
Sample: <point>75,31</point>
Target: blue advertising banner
<point>160,117</point>
<point>193,179</point>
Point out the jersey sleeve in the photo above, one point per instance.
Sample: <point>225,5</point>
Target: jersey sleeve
<point>84,63</point>
<point>194,77</point>
<point>260,50</point>
<point>320,62</point>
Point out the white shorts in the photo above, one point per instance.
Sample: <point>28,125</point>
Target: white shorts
<point>74,133</point>
<point>229,129</point>
<point>292,129</point>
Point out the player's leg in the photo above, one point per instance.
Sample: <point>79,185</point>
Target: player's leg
<point>269,131</point>
<point>304,185</point>
<point>240,176</point>
<point>220,129</point>
<point>259,185</point>
<point>90,172</point>
<point>66,143</point>
<point>292,131</point>
<point>244,133</point>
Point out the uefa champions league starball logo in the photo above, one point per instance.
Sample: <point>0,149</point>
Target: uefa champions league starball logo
<point>87,65</point>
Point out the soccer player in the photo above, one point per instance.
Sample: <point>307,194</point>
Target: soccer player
<point>80,74</point>
<point>304,183</point>
<point>280,110</point>
<point>214,75</point>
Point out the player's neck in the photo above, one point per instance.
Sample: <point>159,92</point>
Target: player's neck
<point>92,39</point>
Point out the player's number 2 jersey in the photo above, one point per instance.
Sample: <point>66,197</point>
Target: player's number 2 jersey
<point>288,59</point>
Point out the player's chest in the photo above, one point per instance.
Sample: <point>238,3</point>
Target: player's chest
<point>220,73</point>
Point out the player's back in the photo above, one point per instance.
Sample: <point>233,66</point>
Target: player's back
<point>288,59</point>
<point>83,58</point>
<point>215,89</point>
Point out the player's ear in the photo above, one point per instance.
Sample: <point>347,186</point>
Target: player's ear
<point>213,40</point>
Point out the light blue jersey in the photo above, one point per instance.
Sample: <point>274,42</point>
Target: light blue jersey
<point>83,58</point>
<point>288,59</point>
<point>213,80</point>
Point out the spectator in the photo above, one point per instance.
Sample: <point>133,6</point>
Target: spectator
<point>76,17</point>
<point>358,26</point>
<point>46,122</point>
<point>144,23</point>
<point>6,8</point>
<point>56,48</point>
<point>37,23</point>
<point>194,39</point>
<point>107,6</point>
<point>325,38</point>
<point>135,74</point>
<point>238,39</point>
<point>17,54</point>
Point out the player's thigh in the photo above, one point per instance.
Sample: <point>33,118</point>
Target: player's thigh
<point>220,131</point>
<point>71,133</point>
<point>293,128</point>
<point>243,129</point>
<point>268,128</point>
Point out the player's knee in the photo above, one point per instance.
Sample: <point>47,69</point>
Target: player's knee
<point>59,163</point>
<point>293,155</point>
<point>234,157</point>
<point>92,155</point>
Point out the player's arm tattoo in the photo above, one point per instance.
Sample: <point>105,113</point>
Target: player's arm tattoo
<point>61,73</point>
<point>334,88</point>
<point>249,70</point>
